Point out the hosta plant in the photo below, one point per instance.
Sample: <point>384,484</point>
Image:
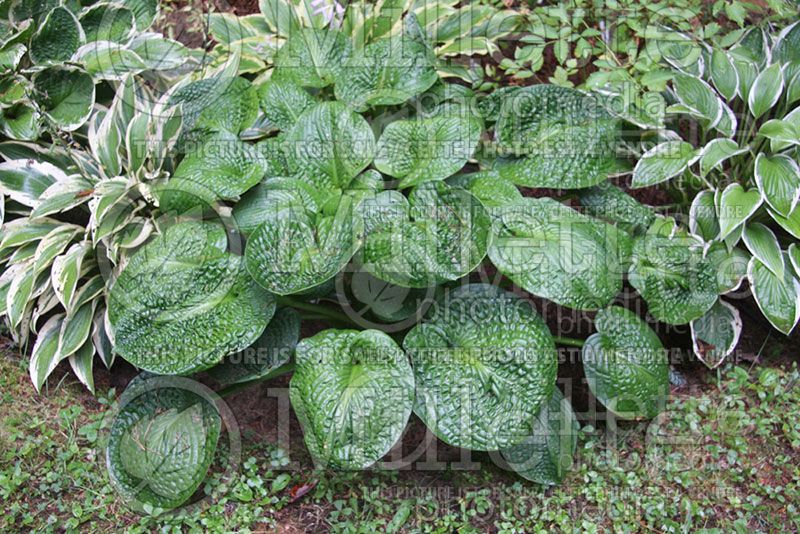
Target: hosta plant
<point>743,165</point>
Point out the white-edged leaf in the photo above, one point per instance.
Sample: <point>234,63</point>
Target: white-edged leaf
<point>44,357</point>
<point>75,329</point>
<point>778,298</point>
<point>703,216</point>
<point>716,334</point>
<point>63,196</point>
<point>82,362</point>
<point>793,252</point>
<point>662,162</point>
<point>105,60</point>
<point>763,244</point>
<point>698,96</point>
<point>778,179</point>
<point>67,270</point>
<point>766,90</point>
<point>735,206</point>
<point>25,180</point>
<point>717,151</point>
<point>100,338</point>
<point>723,74</point>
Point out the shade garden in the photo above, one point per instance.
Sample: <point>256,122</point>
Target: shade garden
<point>362,172</point>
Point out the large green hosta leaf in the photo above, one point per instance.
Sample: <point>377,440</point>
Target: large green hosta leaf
<point>546,455</point>
<point>610,203</point>
<point>65,95</point>
<point>387,72</point>
<point>311,57</point>
<point>57,38</point>
<point>438,234</point>
<point>222,168</point>
<point>565,138</point>
<point>427,149</point>
<point>626,365</point>
<point>161,444</point>
<point>107,22</point>
<point>557,253</point>
<point>777,297</point>
<point>283,102</point>
<point>352,392</point>
<point>484,363</point>
<point>329,145</point>
<point>295,249</point>
<point>183,302</point>
<point>678,283</point>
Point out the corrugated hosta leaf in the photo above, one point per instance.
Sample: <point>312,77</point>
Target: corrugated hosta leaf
<point>427,149</point>
<point>488,187</point>
<point>161,444</point>
<point>610,203</point>
<point>183,302</point>
<point>546,455</point>
<point>270,196</point>
<point>222,168</point>
<point>66,96</point>
<point>626,365</point>
<point>283,102</point>
<point>57,38</point>
<point>438,234</point>
<point>778,179</point>
<point>311,57</point>
<point>662,162</point>
<point>484,363</point>
<point>295,249</point>
<point>557,253</point>
<point>716,334</point>
<point>778,298</point>
<point>25,180</point>
<point>353,393</point>
<point>270,351</point>
<point>107,22</point>
<point>678,283</point>
<point>565,138</point>
<point>387,72</point>
<point>329,145</point>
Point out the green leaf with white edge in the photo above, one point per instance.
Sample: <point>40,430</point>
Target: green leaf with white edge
<point>271,350</point>
<point>565,138</point>
<point>295,249</point>
<point>610,203</point>
<point>222,168</point>
<point>728,124</point>
<point>75,329</point>
<point>793,253</point>
<point>673,276</point>
<point>717,151</point>
<point>546,454</point>
<point>136,142</point>
<point>791,223</point>
<point>161,443</point>
<point>426,149</point>
<point>329,145</point>
<point>25,180</point>
<point>626,365</point>
<point>63,196</point>
<point>698,96</point>
<point>45,356</point>
<point>183,302</point>
<point>105,60</point>
<point>778,298</point>
<point>735,206</point>
<point>778,179</point>
<point>158,52</point>
<point>101,340</point>
<point>21,122</point>
<point>716,334</point>
<point>747,72</point>
<point>781,133</point>
<point>353,393</point>
<point>438,234</point>
<point>66,95</point>
<point>484,363</point>
<point>82,363</point>
<point>787,45</point>
<point>67,269</point>
<point>21,231</point>
<point>730,265</point>
<point>283,102</point>
<point>387,72</point>
<point>662,162</point>
<point>105,21</point>
<point>763,244</point>
<point>57,38</point>
<point>311,58</point>
<point>766,90</point>
<point>144,11</point>
<point>703,220</point>
<point>11,56</point>
<point>557,253</point>
<point>724,74</point>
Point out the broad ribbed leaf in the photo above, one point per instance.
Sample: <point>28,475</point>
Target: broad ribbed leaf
<point>283,102</point>
<point>183,302</point>
<point>270,351</point>
<point>57,38</point>
<point>778,179</point>
<point>353,393</point>
<point>295,249</point>
<point>66,96</point>
<point>674,278</point>
<point>428,149</point>
<point>716,334</point>
<point>557,253</point>
<point>663,162</point>
<point>565,138</point>
<point>763,244</point>
<point>488,187</point>
<point>626,365</point>
<point>546,455</point>
<point>735,206</point>
<point>270,196</point>
<point>610,203</point>
<point>438,234</point>
<point>311,57</point>
<point>778,298</point>
<point>484,363</point>
<point>162,442</point>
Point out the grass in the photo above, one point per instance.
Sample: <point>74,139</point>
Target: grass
<point>724,457</point>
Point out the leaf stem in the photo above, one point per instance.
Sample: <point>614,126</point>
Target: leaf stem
<point>569,341</point>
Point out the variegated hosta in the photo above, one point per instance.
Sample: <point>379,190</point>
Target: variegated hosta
<point>745,101</point>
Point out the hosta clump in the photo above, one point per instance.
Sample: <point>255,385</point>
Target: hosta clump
<point>744,216</point>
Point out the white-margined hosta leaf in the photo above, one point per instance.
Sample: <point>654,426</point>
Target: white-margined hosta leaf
<point>731,265</point>
<point>735,206</point>
<point>787,45</point>
<point>766,90</point>
<point>778,179</point>
<point>763,244</point>
<point>82,364</point>
<point>778,298</point>
<point>21,122</point>
<point>724,74</point>
<point>716,152</point>
<point>699,97</point>
<point>45,356</point>
<point>107,22</point>
<point>67,269</point>
<point>793,253</point>
<point>662,162</point>
<point>25,180</point>
<point>106,60</point>
<point>66,95</point>
<point>703,220</point>
<point>57,38</point>
<point>63,196</point>
<point>158,52</point>
<point>716,334</point>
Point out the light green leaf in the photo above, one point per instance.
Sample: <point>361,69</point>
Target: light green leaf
<point>488,187</point>
<point>283,102</point>
<point>747,71</point>
<point>778,179</point>
<point>21,122</point>
<point>791,223</point>
<point>736,206</point>
<point>484,363</point>
<point>724,74</point>
<point>717,151</point>
<point>57,38</point>
<point>66,96</point>
<point>662,162</point>
<point>159,53</point>
<point>280,17</point>
<point>763,244</point>
<point>699,97</point>
<point>731,266</point>
<point>778,298</point>
<point>311,58</point>
<point>626,365</point>
<point>716,334</point>
<point>703,216</point>
<point>44,356</point>
<point>766,90</point>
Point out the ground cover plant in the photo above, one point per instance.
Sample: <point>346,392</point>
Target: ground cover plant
<point>193,213</point>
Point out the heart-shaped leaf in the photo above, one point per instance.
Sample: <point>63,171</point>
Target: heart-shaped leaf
<point>57,38</point>
<point>716,334</point>
<point>484,363</point>
<point>736,206</point>
<point>717,151</point>
<point>312,57</point>
<point>557,253</point>
<point>703,216</point>
<point>778,298</point>
<point>283,102</point>
<point>626,365</point>
<point>353,393</point>
<point>183,302</point>
<point>763,244</point>
<point>778,179</point>
<point>662,162</point>
<point>66,96</point>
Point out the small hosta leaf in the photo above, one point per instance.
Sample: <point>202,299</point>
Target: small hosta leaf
<point>716,152</point>
<point>777,297</point>
<point>716,334</point>
<point>626,365</point>
<point>703,216</point>
<point>778,179</point>
<point>353,394</point>
<point>735,206</point>
<point>766,90</point>
<point>698,96</point>
<point>663,162</point>
<point>484,363</point>
<point>763,244</point>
